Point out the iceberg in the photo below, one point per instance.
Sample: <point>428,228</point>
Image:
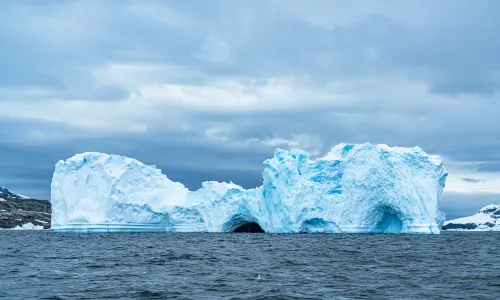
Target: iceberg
<point>360,188</point>
<point>487,219</point>
<point>28,226</point>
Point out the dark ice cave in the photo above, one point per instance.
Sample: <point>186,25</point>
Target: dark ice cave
<point>249,227</point>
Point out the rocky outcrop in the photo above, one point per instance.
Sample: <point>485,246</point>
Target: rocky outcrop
<point>17,210</point>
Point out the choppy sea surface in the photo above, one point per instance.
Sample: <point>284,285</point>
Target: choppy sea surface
<point>47,265</point>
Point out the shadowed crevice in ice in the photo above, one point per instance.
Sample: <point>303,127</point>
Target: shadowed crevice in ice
<point>249,227</point>
<point>242,223</point>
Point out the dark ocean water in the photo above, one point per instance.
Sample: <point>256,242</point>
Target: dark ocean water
<point>45,265</point>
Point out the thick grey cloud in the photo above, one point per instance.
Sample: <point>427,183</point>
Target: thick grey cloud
<point>206,90</point>
<point>457,205</point>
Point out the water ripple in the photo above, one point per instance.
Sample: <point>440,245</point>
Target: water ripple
<point>45,265</point>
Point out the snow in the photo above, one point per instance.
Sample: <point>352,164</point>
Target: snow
<point>487,219</point>
<point>353,189</point>
<point>23,196</point>
<point>10,194</point>
<point>478,218</point>
<point>28,226</point>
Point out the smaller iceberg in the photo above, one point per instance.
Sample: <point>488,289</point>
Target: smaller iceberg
<point>487,219</point>
<point>28,226</point>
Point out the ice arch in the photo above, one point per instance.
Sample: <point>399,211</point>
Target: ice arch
<point>242,223</point>
<point>386,219</point>
<point>249,227</point>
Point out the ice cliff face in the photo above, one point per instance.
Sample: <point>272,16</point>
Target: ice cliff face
<point>487,219</point>
<point>354,189</point>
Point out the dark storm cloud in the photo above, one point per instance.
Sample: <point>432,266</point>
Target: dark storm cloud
<point>472,180</point>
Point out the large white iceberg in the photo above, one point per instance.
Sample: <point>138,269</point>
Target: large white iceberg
<point>353,189</point>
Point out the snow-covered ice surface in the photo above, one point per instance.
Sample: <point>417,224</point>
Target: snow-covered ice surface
<point>487,219</point>
<point>354,189</point>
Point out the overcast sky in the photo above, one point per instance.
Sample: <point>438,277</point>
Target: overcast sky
<point>205,90</point>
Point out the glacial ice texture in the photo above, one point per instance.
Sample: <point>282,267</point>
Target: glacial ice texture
<point>353,189</point>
